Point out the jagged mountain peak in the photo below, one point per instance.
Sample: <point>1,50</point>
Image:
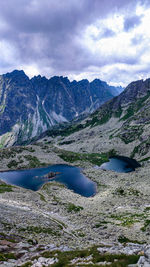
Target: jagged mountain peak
<point>15,73</point>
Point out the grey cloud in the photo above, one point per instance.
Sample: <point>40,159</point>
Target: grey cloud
<point>131,22</point>
<point>106,33</point>
<point>136,40</point>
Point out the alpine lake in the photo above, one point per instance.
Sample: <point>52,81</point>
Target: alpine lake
<point>70,176</point>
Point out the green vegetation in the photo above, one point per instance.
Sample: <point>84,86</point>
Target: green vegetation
<point>142,149</point>
<point>65,130</point>
<point>129,113</point>
<point>38,230</point>
<point>146,224</point>
<point>46,186</point>
<point>99,118</point>
<point>145,159</point>
<point>12,164</point>
<point>94,158</point>
<point>147,209</point>
<point>11,237</point>
<point>5,188</point>
<point>14,151</point>
<point>27,264</point>
<point>2,108</point>
<point>130,133</point>
<point>33,161</point>
<point>120,191</point>
<point>124,240</point>
<point>128,219</point>
<point>133,108</point>
<point>67,142</point>
<point>65,258</point>
<point>118,113</point>
<point>102,223</point>
<point>71,207</point>
<point>129,191</point>
<point>42,198</point>
<point>7,256</point>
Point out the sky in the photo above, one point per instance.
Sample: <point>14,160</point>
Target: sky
<point>80,39</point>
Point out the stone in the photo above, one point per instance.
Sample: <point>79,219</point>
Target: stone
<point>4,248</point>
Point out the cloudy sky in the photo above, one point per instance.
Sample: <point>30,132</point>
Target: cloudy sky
<point>105,39</point>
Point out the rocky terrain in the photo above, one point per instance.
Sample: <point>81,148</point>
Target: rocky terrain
<point>55,218</point>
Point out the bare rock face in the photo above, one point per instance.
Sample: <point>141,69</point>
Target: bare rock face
<point>29,107</point>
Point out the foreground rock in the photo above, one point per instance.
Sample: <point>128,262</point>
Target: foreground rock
<point>35,255</point>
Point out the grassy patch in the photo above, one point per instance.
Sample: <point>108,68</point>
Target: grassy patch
<point>120,191</point>
<point>12,164</point>
<point>72,208</point>
<point>130,133</point>
<point>48,185</point>
<point>68,142</point>
<point>65,258</point>
<point>133,108</point>
<point>142,149</point>
<point>33,161</point>
<point>42,198</point>
<point>129,191</point>
<point>102,223</point>
<point>145,159</point>
<point>123,239</point>
<point>5,188</point>
<point>98,119</point>
<point>7,256</point>
<point>118,113</point>
<point>27,264</point>
<point>129,113</point>
<point>128,219</point>
<point>94,158</point>
<point>38,230</point>
<point>147,209</point>
<point>146,224</point>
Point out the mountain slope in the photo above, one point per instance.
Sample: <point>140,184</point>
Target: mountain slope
<point>29,107</point>
<point>122,123</point>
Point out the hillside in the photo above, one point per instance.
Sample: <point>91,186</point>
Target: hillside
<point>122,123</point>
<point>29,107</point>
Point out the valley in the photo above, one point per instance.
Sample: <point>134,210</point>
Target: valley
<point>117,215</point>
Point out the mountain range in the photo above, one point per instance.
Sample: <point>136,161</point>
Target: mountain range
<point>29,107</point>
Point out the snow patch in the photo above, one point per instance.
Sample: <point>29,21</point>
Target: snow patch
<point>58,117</point>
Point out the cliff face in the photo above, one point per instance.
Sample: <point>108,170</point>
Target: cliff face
<point>29,107</point>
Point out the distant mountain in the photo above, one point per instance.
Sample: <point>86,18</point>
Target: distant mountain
<point>29,107</point>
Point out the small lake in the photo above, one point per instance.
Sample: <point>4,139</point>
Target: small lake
<point>68,175</point>
<point>120,164</point>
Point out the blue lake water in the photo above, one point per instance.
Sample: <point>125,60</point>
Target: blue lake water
<point>68,175</point>
<point>120,164</point>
